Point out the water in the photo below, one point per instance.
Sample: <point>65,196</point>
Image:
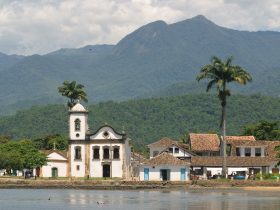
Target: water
<point>133,200</point>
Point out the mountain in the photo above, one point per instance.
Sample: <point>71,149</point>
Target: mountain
<point>147,120</point>
<point>156,59</point>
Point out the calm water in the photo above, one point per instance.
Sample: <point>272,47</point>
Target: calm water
<point>132,200</point>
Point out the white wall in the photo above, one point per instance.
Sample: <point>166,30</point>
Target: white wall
<point>112,134</point>
<point>83,128</point>
<point>96,168</point>
<point>61,169</point>
<point>154,173</point>
<point>74,172</point>
<point>182,153</point>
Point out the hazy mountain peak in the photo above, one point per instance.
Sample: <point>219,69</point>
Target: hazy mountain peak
<point>144,39</point>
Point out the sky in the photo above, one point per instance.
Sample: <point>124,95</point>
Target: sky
<point>41,26</point>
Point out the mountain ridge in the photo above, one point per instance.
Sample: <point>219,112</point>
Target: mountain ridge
<point>153,58</point>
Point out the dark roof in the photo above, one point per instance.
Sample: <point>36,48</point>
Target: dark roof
<point>165,159</point>
<point>204,142</point>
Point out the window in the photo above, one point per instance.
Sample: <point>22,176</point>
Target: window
<point>77,125</point>
<point>238,151</point>
<point>155,153</point>
<point>96,153</point>
<point>77,167</point>
<point>116,154</point>
<point>176,150</point>
<point>106,153</point>
<point>170,150</point>
<point>258,152</point>
<point>78,155</point>
<point>248,152</point>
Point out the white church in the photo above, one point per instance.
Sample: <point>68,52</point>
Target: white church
<point>105,153</point>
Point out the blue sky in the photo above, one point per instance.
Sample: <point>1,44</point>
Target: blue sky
<point>40,26</point>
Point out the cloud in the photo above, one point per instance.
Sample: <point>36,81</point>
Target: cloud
<point>41,26</point>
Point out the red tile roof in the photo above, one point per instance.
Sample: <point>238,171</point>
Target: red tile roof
<point>164,142</point>
<point>165,159</point>
<point>268,145</point>
<point>204,142</point>
<point>245,138</point>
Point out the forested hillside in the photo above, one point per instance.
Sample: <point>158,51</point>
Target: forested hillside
<point>158,59</point>
<point>147,120</point>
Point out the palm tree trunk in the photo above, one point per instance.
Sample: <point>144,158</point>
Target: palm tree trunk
<point>224,170</point>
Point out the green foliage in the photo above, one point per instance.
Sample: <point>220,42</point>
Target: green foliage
<point>20,154</point>
<point>73,92</point>
<point>148,120</point>
<point>219,74</point>
<point>51,142</point>
<point>263,130</point>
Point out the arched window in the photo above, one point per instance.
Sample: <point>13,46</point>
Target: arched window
<point>78,155</point>
<point>77,125</point>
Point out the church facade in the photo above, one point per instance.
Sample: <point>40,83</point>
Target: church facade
<point>102,154</point>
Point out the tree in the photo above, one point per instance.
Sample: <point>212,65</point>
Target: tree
<point>18,155</point>
<point>263,130</point>
<point>48,142</point>
<point>219,73</point>
<point>73,92</point>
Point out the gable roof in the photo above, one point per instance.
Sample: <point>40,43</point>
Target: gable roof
<point>165,159</point>
<point>204,142</point>
<point>164,142</point>
<point>61,153</point>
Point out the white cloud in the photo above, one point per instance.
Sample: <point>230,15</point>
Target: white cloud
<point>41,26</point>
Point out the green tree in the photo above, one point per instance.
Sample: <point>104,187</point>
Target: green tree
<point>18,155</point>
<point>219,73</point>
<point>50,141</point>
<point>263,130</point>
<point>73,92</point>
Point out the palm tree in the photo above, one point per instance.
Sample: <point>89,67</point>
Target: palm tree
<point>219,73</point>
<point>73,92</point>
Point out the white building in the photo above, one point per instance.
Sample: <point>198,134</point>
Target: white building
<point>57,165</point>
<point>105,153</point>
<point>165,167</point>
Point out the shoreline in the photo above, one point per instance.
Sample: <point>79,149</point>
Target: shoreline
<point>247,185</point>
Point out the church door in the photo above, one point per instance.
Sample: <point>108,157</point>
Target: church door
<point>106,170</point>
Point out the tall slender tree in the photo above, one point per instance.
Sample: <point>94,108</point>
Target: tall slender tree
<point>219,73</point>
<point>73,92</point>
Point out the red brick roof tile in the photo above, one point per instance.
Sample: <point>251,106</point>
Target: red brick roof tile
<point>204,142</point>
<point>165,159</point>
